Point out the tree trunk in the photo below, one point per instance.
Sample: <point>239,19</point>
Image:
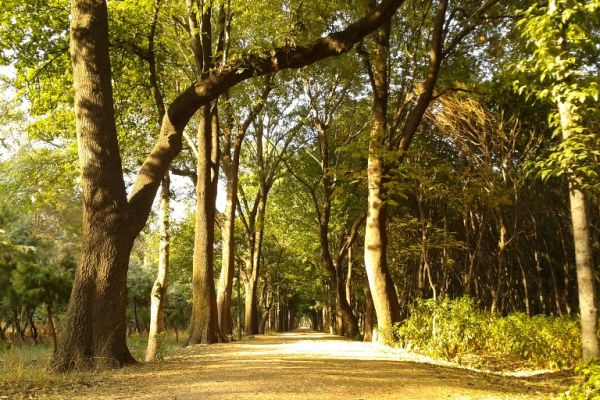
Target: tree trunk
<point>263,321</point>
<point>369,317</point>
<point>239,302</point>
<point>250,315</point>
<point>349,278</point>
<point>158,296</point>
<point>204,324</point>
<point>583,254</point>
<point>225,287</point>
<point>89,337</point>
<point>380,282</point>
<point>32,328</point>
<point>51,327</point>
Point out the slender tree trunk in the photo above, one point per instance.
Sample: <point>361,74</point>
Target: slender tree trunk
<point>225,286</point>
<point>204,324</point>
<point>158,295</point>
<point>583,254</point>
<point>380,281</point>
<point>253,262</point>
<point>239,302</point>
<point>51,326</point>
<point>349,278</point>
<point>369,318</point>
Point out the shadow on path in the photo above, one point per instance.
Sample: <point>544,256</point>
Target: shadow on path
<point>310,365</point>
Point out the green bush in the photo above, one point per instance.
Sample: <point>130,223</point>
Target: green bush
<point>589,386</point>
<point>451,329</point>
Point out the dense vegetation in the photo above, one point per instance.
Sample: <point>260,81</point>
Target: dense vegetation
<point>432,180</point>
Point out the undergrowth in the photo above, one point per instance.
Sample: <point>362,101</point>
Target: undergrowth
<point>24,370</point>
<point>456,329</point>
<point>588,387</point>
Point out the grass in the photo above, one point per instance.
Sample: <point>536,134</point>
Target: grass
<point>24,369</point>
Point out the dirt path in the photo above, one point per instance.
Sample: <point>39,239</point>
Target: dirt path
<point>308,365</point>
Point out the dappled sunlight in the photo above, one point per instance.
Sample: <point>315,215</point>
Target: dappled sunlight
<point>304,364</point>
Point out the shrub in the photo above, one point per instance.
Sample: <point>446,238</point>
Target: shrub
<point>452,328</point>
<point>589,386</point>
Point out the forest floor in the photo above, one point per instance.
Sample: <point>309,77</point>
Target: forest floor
<point>296,365</point>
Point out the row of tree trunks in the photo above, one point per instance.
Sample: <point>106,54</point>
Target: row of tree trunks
<point>23,320</point>
<point>111,221</point>
<point>232,147</point>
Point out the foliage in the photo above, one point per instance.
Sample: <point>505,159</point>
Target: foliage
<point>588,387</point>
<point>451,329</point>
<point>563,36</point>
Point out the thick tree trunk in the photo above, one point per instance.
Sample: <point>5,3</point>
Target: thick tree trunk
<point>204,324</point>
<point>94,332</point>
<point>583,254</point>
<point>95,326</point>
<point>158,296</point>
<point>380,282</point>
<point>263,321</point>
<point>346,322</point>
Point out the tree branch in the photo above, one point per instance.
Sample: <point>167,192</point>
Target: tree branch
<point>222,78</point>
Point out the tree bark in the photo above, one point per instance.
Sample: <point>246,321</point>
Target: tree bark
<point>89,337</point>
<point>159,289</point>
<point>225,285</point>
<point>583,253</point>
<point>349,277</point>
<point>250,315</point>
<point>204,323</point>
<point>231,162</point>
<point>369,317</point>
<point>380,281</point>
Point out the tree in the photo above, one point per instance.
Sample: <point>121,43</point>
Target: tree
<point>564,39</point>
<point>394,134</point>
<point>269,147</point>
<point>323,102</point>
<point>111,220</point>
<point>232,147</point>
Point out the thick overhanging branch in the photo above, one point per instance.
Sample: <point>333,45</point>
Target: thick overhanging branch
<point>219,80</point>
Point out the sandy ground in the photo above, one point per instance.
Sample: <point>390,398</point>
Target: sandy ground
<point>308,365</point>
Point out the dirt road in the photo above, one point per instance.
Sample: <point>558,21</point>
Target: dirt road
<point>308,365</point>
